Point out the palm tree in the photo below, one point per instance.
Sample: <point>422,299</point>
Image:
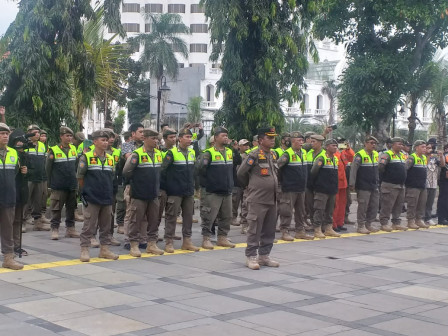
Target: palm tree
<point>330,89</point>
<point>194,114</point>
<point>437,97</point>
<point>161,44</point>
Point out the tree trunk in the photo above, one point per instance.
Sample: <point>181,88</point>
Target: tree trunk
<point>412,125</point>
<point>331,113</point>
<point>441,126</point>
<point>380,131</point>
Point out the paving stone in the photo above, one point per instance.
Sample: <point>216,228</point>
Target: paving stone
<point>426,293</point>
<point>412,327</point>
<point>102,298</point>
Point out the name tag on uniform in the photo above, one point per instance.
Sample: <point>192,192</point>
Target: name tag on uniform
<point>217,157</point>
<point>264,171</point>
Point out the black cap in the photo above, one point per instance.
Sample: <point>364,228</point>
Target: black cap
<point>269,131</point>
<point>432,141</point>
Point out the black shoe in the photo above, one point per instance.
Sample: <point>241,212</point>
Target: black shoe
<point>338,229</point>
<point>342,228</point>
<point>142,245</point>
<point>127,246</point>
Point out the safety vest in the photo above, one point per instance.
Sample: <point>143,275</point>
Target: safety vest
<point>367,174</point>
<point>145,181</point>
<point>416,176</point>
<point>279,151</point>
<point>251,149</point>
<point>8,178</point>
<point>81,148</point>
<point>98,184</point>
<point>219,177</point>
<point>293,175</point>
<point>310,161</point>
<point>395,171</point>
<point>116,154</point>
<point>63,172</point>
<point>327,180</point>
<point>36,160</point>
<point>179,179</point>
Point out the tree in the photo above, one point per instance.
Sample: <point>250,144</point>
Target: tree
<point>138,92</point>
<point>330,89</point>
<point>264,46</point>
<point>194,114</point>
<point>119,122</point>
<point>45,45</point>
<point>160,45</point>
<point>400,35</point>
<point>437,97</point>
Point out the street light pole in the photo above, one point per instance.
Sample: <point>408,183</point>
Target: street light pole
<point>162,87</point>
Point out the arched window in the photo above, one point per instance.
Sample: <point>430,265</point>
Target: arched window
<point>210,92</point>
<point>319,102</point>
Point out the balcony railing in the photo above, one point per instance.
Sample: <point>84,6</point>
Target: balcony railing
<point>321,112</point>
<point>209,104</point>
<point>427,119</point>
<point>292,110</point>
<point>308,112</point>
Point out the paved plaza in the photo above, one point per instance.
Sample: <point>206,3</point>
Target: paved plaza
<point>381,284</point>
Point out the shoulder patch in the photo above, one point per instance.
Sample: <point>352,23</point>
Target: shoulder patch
<point>250,161</point>
<point>358,159</point>
<point>134,160</point>
<point>319,163</point>
<point>82,164</point>
<point>51,156</point>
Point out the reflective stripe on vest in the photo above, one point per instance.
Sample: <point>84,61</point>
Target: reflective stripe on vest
<point>41,150</point>
<point>218,159</point>
<point>59,154</point>
<point>179,158</point>
<point>145,161</point>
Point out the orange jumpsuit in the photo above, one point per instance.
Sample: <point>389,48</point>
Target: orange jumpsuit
<point>341,197</point>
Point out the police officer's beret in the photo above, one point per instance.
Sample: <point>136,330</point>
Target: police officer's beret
<point>269,131</point>
<point>168,131</point>
<point>371,138</point>
<point>309,134</point>
<point>296,134</point>
<point>285,135</point>
<point>397,139</point>
<point>33,128</point>
<point>243,142</point>
<point>43,132</point>
<point>318,137</point>
<point>185,131</point>
<point>407,143</point>
<point>80,136</point>
<point>331,142</point>
<point>212,139</point>
<point>100,134</point>
<point>255,138</point>
<point>147,132</point>
<point>4,127</point>
<point>419,142</point>
<point>65,130</point>
<point>109,131</point>
<point>219,130</point>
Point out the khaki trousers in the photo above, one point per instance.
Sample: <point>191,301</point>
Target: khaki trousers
<point>162,204</point>
<point>35,200</point>
<point>17,226</point>
<point>309,203</point>
<point>237,198</point>
<point>368,202</point>
<point>216,207</point>
<point>244,207</point>
<point>262,219</point>
<point>323,209</point>
<point>292,202</point>
<point>6,229</point>
<point>96,216</point>
<point>58,199</point>
<point>173,206</point>
<point>144,220</point>
<point>120,206</point>
<point>416,200</point>
<point>392,198</point>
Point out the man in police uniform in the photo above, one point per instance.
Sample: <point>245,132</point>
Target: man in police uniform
<point>216,168</point>
<point>364,179</point>
<point>95,176</point>
<point>316,150</point>
<point>324,181</point>
<point>293,171</point>
<point>142,169</point>
<point>259,173</point>
<point>178,179</point>
<point>416,195</point>
<point>36,156</point>
<point>61,171</point>
<point>9,167</point>
<point>393,175</point>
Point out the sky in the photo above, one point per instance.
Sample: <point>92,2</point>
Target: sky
<point>8,13</point>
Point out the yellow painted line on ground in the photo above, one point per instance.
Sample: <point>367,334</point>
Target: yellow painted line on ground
<point>73,262</point>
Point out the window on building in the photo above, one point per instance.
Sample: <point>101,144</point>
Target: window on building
<point>176,8</point>
<point>195,65</point>
<point>210,92</point>
<point>131,8</point>
<point>154,8</point>
<point>198,47</point>
<point>199,28</point>
<point>319,102</point>
<point>216,65</point>
<point>196,8</point>
<point>181,65</point>
<point>131,27</point>
<point>147,27</point>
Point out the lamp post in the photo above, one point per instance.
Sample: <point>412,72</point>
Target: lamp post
<point>162,87</point>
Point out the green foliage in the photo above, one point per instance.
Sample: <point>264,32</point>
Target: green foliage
<point>194,112</point>
<point>119,122</point>
<point>264,46</point>
<point>46,46</point>
<point>137,92</point>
